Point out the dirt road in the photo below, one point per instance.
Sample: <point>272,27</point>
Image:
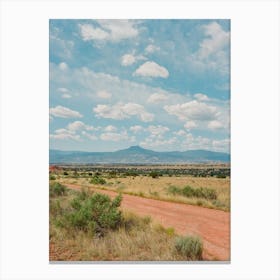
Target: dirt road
<point>212,225</point>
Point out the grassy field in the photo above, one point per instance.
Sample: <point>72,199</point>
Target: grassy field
<point>119,236</point>
<point>159,188</point>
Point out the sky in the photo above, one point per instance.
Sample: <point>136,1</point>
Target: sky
<point>161,84</point>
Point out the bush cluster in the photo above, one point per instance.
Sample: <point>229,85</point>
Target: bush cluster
<point>97,180</point>
<point>57,189</point>
<point>193,192</point>
<point>95,213</point>
<point>189,246</point>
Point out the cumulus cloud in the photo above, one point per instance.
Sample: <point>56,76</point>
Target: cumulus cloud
<point>110,128</point>
<point>89,135</point>
<point>201,97</point>
<point>113,136</point>
<point>180,132</point>
<point>151,48</point>
<point>151,69</point>
<point>136,128</point>
<point>192,110</point>
<point>216,39</point>
<point>157,130</point>
<point>190,125</point>
<point>129,59</point>
<point>64,134</point>
<point>121,111</point>
<point>88,32</point>
<point>157,98</point>
<point>150,142</point>
<point>215,125</point>
<point>66,95</point>
<point>63,112</point>
<point>109,30</point>
<point>104,94</point>
<point>78,125</point>
<point>63,90</point>
<point>213,50</point>
<point>221,145</point>
<point>63,66</point>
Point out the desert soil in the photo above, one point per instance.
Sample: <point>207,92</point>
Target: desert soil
<point>213,226</point>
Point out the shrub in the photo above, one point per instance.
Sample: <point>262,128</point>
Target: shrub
<point>65,173</point>
<point>96,180</point>
<point>95,214</point>
<point>190,247</point>
<point>221,176</point>
<point>194,192</point>
<point>52,177</point>
<point>154,174</point>
<point>57,189</point>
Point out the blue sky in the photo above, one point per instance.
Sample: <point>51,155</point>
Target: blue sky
<point>160,84</point>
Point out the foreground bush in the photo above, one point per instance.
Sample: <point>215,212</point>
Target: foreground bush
<point>193,192</point>
<point>189,246</point>
<point>57,189</point>
<point>95,213</point>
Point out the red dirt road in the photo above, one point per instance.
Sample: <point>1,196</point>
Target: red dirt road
<point>213,226</point>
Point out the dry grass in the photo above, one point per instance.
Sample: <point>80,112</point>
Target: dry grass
<point>138,239</point>
<point>158,188</point>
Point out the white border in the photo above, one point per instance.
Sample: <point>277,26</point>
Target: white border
<point>255,138</point>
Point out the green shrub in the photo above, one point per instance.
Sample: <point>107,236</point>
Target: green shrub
<point>194,192</point>
<point>221,176</point>
<point>155,174</point>
<point>52,177</point>
<point>57,189</point>
<point>95,214</point>
<point>96,180</point>
<point>190,247</point>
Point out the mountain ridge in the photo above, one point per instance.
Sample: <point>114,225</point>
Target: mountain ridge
<point>137,154</point>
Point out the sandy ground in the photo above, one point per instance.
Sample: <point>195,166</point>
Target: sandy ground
<point>213,226</point>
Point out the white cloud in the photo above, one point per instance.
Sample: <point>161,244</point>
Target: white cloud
<point>109,30</point>
<point>63,112</point>
<point>151,69</point>
<point>201,97</point>
<point>216,40</point>
<point>113,136</point>
<point>136,128</point>
<point>104,94</point>
<point>151,142</point>
<point>213,52</point>
<point>190,125</point>
<point>63,66</point>
<point>88,32</point>
<point>151,48</point>
<point>66,95</point>
<point>89,136</point>
<point>128,59</point>
<point>221,145</point>
<point>180,132</point>
<point>63,90</point>
<point>192,110</point>
<point>110,128</point>
<point>121,111</point>
<point>64,134</point>
<point>215,125</point>
<point>78,125</point>
<point>157,98</point>
<point>157,130</point>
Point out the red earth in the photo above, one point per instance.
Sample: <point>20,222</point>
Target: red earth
<point>213,226</point>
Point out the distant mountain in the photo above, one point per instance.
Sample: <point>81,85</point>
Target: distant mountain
<point>137,155</point>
